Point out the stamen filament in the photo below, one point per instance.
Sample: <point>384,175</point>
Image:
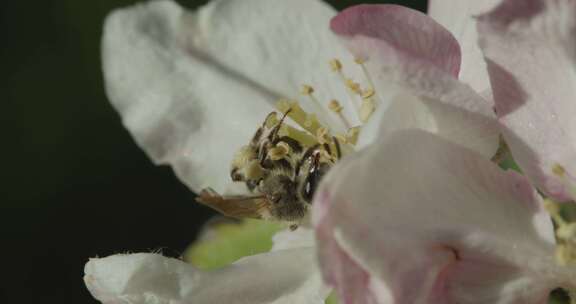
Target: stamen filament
<point>335,107</point>
<point>368,107</point>
<point>360,62</point>
<point>337,67</point>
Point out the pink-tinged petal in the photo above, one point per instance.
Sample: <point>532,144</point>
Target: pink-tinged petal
<point>435,223</point>
<point>339,269</point>
<point>529,46</point>
<point>280,277</point>
<point>403,29</point>
<point>413,82</point>
<point>458,17</point>
<point>192,87</point>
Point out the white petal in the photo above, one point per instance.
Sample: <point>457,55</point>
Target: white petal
<point>299,238</point>
<point>415,89</point>
<point>281,277</point>
<point>437,223</point>
<point>193,87</point>
<point>535,88</point>
<point>458,16</point>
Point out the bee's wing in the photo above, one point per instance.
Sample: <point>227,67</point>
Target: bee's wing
<point>239,206</point>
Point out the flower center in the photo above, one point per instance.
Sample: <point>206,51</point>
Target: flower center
<point>284,163</point>
<point>363,99</point>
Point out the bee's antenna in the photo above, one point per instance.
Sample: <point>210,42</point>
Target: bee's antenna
<point>285,114</point>
<point>277,127</point>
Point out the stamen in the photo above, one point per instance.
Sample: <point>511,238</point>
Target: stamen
<point>323,136</point>
<point>558,170</point>
<point>307,90</point>
<point>352,135</point>
<point>368,93</point>
<point>366,109</point>
<point>353,86</point>
<point>335,107</point>
<point>336,65</point>
<point>360,62</point>
<point>565,235</point>
<point>554,209</point>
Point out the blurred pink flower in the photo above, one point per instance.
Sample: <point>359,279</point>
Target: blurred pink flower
<point>417,219</point>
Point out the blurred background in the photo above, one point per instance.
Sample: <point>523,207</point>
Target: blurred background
<point>74,184</point>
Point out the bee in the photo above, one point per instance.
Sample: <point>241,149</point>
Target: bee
<point>281,172</point>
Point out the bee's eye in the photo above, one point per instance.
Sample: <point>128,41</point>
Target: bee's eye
<point>308,191</point>
<point>312,181</point>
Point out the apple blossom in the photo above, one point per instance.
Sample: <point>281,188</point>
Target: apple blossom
<point>529,47</point>
<point>444,225</point>
<point>193,86</point>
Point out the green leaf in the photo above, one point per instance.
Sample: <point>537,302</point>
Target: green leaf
<point>332,298</point>
<point>225,242</point>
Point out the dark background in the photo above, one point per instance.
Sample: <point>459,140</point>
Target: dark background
<point>73,183</point>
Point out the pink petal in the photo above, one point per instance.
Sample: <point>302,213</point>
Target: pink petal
<point>529,45</point>
<point>458,17</point>
<point>403,29</point>
<point>412,61</point>
<point>431,222</point>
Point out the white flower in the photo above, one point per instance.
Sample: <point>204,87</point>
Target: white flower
<point>439,223</point>
<point>192,87</point>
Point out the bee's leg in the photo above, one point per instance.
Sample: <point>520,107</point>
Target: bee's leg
<point>293,227</point>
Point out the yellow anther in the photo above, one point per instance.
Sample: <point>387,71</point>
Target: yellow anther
<point>307,90</point>
<point>323,136</point>
<point>335,65</point>
<point>567,232</point>
<point>366,109</point>
<point>368,93</point>
<point>353,86</point>
<point>558,170</point>
<point>553,209</point>
<point>565,254</point>
<point>359,60</point>
<point>335,106</point>
<point>352,135</point>
<point>279,151</point>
